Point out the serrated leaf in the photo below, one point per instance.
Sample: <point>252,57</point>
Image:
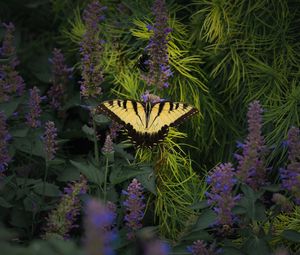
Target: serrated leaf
<point>291,235</point>
<point>206,219</point>
<point>51,190</point>
<point>92,173</point>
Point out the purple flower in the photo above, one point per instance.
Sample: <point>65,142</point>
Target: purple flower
<point>222,181</point>
<point>157,247</point>
<point>134,207</point>
<point>63,219</point>
<point>199,247</point>
<point>60,75</point>
<point>147,97</point>
<point>32,117</point>
<point>11,82</point>
<point>108,145</point>
<point>291,175</point>
<point>98,223</point>
<point>251,166</point>
<point>91,51</point>
<point>50,143</point>
<point>4,138</point>
<point>114,129</point>
<point>157,48</point>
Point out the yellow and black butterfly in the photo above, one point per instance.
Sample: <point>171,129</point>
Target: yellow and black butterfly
<point>148,123</point>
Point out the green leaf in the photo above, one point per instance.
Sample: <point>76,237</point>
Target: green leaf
<point>20,218</point>
<point>92,173</point>
<point>101,120</point>
<point>120,174</point>
<point>291,235</point>
<point>32,202</point>
<point>231,251</point>
<point>30,146</point>
<point>148,180</point>
<point>11,106</point>
<point>4,203</point>
<point>88,131</point>
<point>199,205</point>
<point>256,246</point>
<point>19,132</point>
<point>69,173</point>
<point>272,188</point>
<point>198,235</point>
<point>51,190</point>
<point>206,219</point>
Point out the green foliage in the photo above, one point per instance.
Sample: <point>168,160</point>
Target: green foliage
<point>223,55</point>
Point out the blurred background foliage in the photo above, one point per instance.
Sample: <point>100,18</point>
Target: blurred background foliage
<point>223,55</point>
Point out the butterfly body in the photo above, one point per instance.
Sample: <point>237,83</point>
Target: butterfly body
<point>147,124</point>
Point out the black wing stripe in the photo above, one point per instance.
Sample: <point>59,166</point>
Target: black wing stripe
<point>171,106</point>
<point>160,109</point>
<point>119,103</point>
<point>125,104</point>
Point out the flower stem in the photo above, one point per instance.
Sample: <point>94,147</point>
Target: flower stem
<point>96,149</point>
<point>105,179</point>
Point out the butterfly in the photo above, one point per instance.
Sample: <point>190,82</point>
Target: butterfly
<point>146,123</point>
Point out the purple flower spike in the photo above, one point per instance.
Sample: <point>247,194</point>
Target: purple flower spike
<point>50,143</point>
<point>251,166</point>
<point>4,139</point>
<point>291,175</point>
<point>60,76</point>
<point>11,83</point>
<point>199,247</point>
<point>91,50</point>
<point>98,223</point>
<point>157,247</point>
<point>108,145</point>
<point>222,181</point>
<point>32,118</point>
<point>157,48</point>
<point>134,208</point>
<point>147,97</point>
<point>63,219</point>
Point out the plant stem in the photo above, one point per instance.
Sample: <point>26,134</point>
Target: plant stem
<point>105,179</point>
<point>96,149</point>
<point>45,179</point>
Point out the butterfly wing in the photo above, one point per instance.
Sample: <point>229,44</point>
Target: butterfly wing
<point>167,114</point>
<point>129,113</point>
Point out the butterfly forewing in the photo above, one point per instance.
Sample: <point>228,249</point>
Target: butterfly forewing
<point>125,112</point>
<point>169,113</point>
